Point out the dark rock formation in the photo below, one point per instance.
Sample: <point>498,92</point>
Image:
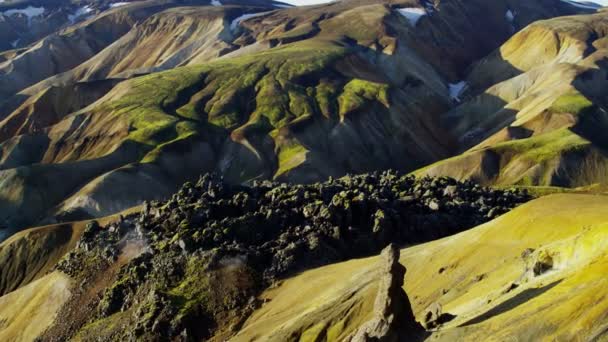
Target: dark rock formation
<point>212,247</point>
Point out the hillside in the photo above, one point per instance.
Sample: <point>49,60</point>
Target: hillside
<point>195,264</point>
<point>548,263</point>
<point>151,282</point>
<point>251,170</point>
<point>540,120</point>
<point>252,92</point>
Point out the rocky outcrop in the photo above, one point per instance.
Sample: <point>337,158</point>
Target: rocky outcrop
<point>211,231</point>
<point>393,319</point>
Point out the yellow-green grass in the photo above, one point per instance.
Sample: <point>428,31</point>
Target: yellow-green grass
<point>525,162</point>
<point>27,312</point>
<point>573,103</point>
<point>469,274</point>
<point>331,300</point>
<point>29,254</point>
<point>247,95</point>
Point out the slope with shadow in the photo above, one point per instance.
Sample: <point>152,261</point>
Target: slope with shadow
<point>541,123</point>
<point>194,265</point>
<point>65,49</point>
<point>545,260</point>
<point>32,253</point>
<point>294,94</point>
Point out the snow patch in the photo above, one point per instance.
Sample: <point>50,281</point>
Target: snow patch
<point>118,4</point>
<point>79,13</point>
<point>412,14</point>
<point>510,16</point>
<point>456,89</point>
<point>592,5</point>
<point>15,43</point>
<point>216,3</point>
<point>30,12</point>
<point>282,6</point>
<point>236,22</point>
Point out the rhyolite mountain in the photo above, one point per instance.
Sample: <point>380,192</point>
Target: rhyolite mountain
<point>196,170</point>
<point>128,104</point>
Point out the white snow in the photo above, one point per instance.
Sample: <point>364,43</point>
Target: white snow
<point>216,3</point>
<point>456,89</point>
<point>587,4</point>
<point>429,5</point>
<point>79,13</point>
<point>14,44</point>
<point>236,22</point>
<point>510,16</point>
<point>30,12</point>
<point>282,6</point>
<point>412,14</point>
<point>118,4</point>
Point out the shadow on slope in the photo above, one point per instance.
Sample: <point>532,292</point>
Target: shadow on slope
<point>512,303</point>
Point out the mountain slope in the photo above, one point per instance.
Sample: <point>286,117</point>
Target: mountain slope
<point>541,124</point>
<point>551,253</point>
<point>492,286</point>
<point>295,94</point>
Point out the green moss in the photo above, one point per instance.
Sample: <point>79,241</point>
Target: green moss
<point>180,131</point>
<point>258,93</point>
<point>272,102</point>
<point>193,291</point>
<point>290,155</point>
<point>103,327</point>
<point>544,147</point>
<point>325,94</point>
<point>143,106</point>
<point>314,333</point>
<point>357,93</point>
<point>232,86</point>
<point>574,103</point>
<point>300,103</point>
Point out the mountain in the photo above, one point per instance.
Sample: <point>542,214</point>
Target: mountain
<point>361,170</point>
<point>535,110</point>
<point>252,92</point>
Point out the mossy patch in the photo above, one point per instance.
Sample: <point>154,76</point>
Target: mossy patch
<point>573,103</point>
<point>290,155</point>
<point>193,291</point>
<point>357,93</point>
<point>248,96</point>
<point>543,147</point>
